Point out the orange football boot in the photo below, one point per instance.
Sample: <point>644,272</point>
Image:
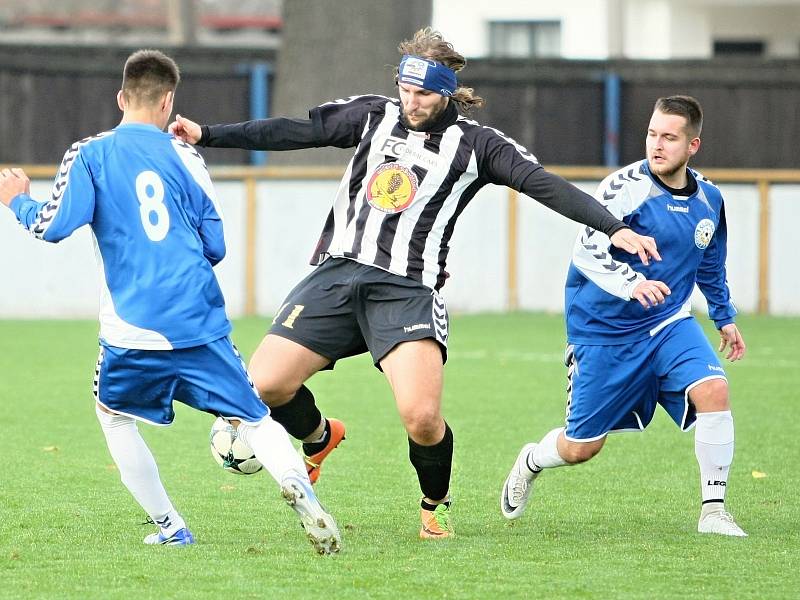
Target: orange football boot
<point>314,462</point>
<point>436,523</point>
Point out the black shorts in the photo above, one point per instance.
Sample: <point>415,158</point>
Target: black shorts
<point>344,308</point>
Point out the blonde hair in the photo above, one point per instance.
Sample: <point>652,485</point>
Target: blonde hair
<point>429,43</point>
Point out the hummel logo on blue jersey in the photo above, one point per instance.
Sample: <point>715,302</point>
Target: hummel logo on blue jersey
<point>680,209</point>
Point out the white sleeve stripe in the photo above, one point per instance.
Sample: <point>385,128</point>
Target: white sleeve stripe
<point>45,217</point>
<point>196,166</point>
<point>591,254</point>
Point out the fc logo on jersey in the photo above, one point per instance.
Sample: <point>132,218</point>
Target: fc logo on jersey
<point>392,188</point>
<point>703,233</point>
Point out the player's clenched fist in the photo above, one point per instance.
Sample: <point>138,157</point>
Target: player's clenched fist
<point>185,129</point>
<point>13,182</point>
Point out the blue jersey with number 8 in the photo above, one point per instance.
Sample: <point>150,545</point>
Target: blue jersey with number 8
<point>157,226</point>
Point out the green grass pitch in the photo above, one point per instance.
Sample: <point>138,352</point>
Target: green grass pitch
<point>621,526</point>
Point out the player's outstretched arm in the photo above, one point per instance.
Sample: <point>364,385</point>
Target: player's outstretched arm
<point>185,130</point>
<point>632,242</point>
<point>731,338</point>
<point>13,182</point>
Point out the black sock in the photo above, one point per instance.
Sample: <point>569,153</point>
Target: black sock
<point>431,507</point>
<point>433,465</point>
<point>310,448</point>
<point>300,416</point>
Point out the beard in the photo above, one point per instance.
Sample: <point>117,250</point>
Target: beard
<point>666,171</point>
<point>425,124</point>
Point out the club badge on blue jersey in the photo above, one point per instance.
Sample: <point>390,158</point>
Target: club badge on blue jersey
<point>703,233</point>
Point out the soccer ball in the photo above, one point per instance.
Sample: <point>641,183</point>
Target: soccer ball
<point>231,453</point>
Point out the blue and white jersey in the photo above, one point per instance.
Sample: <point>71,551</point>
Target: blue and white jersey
<point>691,235</point>
<point>157,228</point>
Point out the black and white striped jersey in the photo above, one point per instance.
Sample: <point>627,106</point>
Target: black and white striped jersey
<point>402,192</point>
<point>399,199</point>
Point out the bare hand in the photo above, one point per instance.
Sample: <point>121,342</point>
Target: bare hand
<point>731,338</point>
<point>185,129</point>
<point>650,293</point>
<point>630,241</point>
<point>13,182</point>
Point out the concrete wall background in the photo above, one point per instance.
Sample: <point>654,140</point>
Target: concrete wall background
<point>43,280</point>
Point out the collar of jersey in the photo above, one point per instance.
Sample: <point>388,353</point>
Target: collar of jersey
<point>675,193</point>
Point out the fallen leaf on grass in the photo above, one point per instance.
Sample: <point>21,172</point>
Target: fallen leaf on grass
<point>759,475</point>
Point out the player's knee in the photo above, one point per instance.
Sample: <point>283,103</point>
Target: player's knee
<point>274,391</point>
<point>424,426</point>
<point>109,419</point>
<point>711,396</point>
<point>578,452</point>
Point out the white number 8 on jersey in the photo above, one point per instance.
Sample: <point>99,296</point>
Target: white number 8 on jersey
<point>150,193</point>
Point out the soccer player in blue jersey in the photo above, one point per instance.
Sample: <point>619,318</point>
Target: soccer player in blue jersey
<point>632,341</point>
<point>157,228</point>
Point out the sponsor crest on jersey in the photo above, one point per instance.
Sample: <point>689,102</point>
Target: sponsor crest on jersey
<point>392,188</point>
<point>703,233</point>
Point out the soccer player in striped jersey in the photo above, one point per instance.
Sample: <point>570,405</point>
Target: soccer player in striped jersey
<point>632,341</point>
<point>383,250</point>
<point>158,232</point>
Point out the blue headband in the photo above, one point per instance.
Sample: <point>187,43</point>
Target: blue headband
<point>427,74</point>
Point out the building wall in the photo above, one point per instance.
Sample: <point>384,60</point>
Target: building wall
<point>778,26</point>
<point>637,29</point>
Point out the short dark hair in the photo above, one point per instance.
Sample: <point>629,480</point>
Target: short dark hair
<point>148,75</point>
<point>683,106</point>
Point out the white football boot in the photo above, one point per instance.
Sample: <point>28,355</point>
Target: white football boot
<point>720,522</point>
<point>518,486</point>
<point>320,526</point>
<point>182,537</point>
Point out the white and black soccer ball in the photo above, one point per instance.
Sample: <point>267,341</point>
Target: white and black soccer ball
<point>231,453</point>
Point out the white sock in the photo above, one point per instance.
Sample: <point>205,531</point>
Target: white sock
<point>138,470</point>
<point>273,448</point>
<point>713,447</point>
<point>545,455</point>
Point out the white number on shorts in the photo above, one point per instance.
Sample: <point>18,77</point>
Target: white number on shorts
<point>150,193</point>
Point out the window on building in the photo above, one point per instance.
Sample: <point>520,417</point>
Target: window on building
<point>524,39</point>
<point>738,48</point>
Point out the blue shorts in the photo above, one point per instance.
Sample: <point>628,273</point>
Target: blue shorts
<point>143,383</point>
<point>617,388</point>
